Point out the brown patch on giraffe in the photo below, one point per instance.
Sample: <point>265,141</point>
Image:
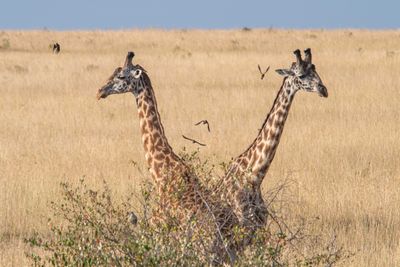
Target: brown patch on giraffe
<point>260,147</point>
<point>271,119</point>
<point>159,143</point>
<point>265,134</point>
<point>260,161</point>
<point>156,136</point>
<point>147,99</point>
<point>144,128</point>
<point>146,141</point>
<point>272,134</point>
<point>166,151</point>
<point>247,153</point>
<point>141,114</point>
<point>149,161</point>
<point>156,123</point>
<point>266,147</point>
<point>159,157</point>
<point>157,167</point>
<point>151,127</point>
<point>243,164</point>
<point>252,160</point>
<point>277,124</point>
<point>157,172</point>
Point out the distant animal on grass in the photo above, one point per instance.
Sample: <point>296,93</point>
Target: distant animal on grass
<point>56,48</point>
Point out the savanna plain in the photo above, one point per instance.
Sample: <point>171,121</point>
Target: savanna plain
<point>341,153</point>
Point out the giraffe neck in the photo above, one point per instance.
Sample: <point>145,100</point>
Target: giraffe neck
<point>158,153</point>
<point>259,155</point>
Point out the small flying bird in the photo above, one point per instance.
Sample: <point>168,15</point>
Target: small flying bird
<point>262,73</point>
<point>204,122</point>
<point>193,141</point>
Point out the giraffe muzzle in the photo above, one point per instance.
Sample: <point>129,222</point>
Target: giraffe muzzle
<point>323,92</point>
<point>102,93</point>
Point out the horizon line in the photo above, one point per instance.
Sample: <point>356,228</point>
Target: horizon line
<point>243,28</point>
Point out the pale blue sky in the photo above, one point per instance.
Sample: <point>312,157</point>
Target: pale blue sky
<point>209,14</point>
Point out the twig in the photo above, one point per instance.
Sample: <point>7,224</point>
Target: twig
<point>204,122</point>
<point>263,73</point>
<point>194,141</point>
<point>217,226</point>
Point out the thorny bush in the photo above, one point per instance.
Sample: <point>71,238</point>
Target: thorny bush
<point>90,228</point>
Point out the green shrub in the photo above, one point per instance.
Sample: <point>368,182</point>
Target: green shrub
<point>90,228</point>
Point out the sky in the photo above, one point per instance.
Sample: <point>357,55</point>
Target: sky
<point>204,14</point>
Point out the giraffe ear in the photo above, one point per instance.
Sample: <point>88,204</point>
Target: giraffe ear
<point>285,72</point>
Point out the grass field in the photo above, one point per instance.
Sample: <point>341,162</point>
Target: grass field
<point>343,152</point>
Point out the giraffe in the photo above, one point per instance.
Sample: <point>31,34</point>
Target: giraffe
<point>178,188</point>
<point>158,153</point>
<point>242,181</point>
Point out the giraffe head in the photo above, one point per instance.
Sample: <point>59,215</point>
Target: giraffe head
<point>129,78</point>
<point>303,74</point>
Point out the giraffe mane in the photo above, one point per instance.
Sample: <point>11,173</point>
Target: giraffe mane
<point>141,68</point>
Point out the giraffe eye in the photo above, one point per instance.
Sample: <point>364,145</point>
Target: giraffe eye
<point>120,77</point>
<point>137,73</point>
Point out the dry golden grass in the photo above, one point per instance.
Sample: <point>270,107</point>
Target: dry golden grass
<point>343,152</point>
